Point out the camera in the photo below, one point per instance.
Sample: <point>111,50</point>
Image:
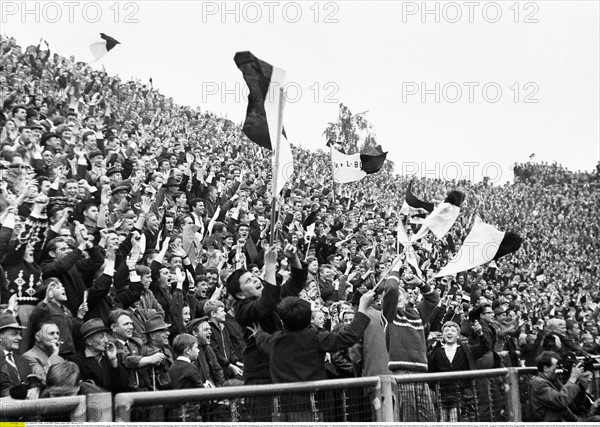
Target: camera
<point>569,359</point>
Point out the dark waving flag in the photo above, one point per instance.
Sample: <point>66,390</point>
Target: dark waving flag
<point>413,202</point>
<point>262,115</point>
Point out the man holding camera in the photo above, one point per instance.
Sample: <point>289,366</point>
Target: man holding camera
<point>549,399</point>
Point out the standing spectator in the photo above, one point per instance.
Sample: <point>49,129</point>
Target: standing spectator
<point>406,341</point>
<point>298,353</point>
<point>220,340</point>
<point>157,333</point>
<point>450,355</point>
<point>256,302</point>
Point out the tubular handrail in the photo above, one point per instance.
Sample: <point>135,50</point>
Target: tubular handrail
<point>449,376</point>
<point>124,401</point>
<point>75,405</point>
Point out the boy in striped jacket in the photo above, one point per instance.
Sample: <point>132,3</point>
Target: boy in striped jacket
<point>406,342</point>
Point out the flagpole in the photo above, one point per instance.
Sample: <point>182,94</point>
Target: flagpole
<point>332,173</point>
<point>276,167</point>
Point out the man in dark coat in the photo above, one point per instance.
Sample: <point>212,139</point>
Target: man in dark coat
<point>98,361</point>
<point>14,368</point>
<point>256,302</point>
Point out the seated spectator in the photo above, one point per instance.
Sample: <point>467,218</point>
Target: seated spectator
<point>44,353</point>
<point>14,368</point>
<point>98,360</point>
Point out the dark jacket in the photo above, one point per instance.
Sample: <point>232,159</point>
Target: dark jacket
<point>75,272</point>
<point>208,366</point>
<point>185,375</point>
<point>300,355</point>
<point>262,311</point>
<point>220,342</point>
<point>438,361</point>
<point>550,400</point>
<point>102,374</point>
<point>8,376</point>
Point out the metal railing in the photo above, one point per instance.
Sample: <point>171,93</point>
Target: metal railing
<point>355,399</point>
<point>494,395</point>
<point>72,408</point>
<point>90,408</point>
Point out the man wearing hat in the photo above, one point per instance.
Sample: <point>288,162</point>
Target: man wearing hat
<point>98,169</point>
<point>98,360</point>
<point>167,192</point>
<point>115,173</point>
<point>14,368</point>
<point>50,139</point>
<point>157,333</point>
<point>207,362</point>
<point>129,349</point>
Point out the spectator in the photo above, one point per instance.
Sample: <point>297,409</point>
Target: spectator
<point>298,354</point>
<point>406,340</point>
<point>98,360</point>
<point>207,363</point>
<point>44,353</point>
<point>14,368</point>
<point>452,356</point>
<point>220,340</point>
<point>156,375</point>
<point>549,398</point>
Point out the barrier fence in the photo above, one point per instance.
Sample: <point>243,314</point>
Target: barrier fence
<point>494,395</point>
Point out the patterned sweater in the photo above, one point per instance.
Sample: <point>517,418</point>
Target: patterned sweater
<point>405,330</point>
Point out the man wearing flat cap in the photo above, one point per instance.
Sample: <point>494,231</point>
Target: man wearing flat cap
<point>157,333</point>
<point>115,174</point>
<point>14,368</point>
<point>207,363</point>
<point>98,360</point>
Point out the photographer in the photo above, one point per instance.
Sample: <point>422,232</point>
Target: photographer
<point>549,399</point>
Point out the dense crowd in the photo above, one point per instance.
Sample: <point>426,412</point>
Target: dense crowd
<point>135,255</point>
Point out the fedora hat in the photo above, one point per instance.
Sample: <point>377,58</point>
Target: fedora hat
<point>91,327</point>
<point>8,321</point>
<point>154,324</point>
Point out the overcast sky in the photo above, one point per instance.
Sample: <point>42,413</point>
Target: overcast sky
<point>459,88</point>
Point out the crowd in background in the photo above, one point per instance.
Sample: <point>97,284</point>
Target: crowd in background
<point>134,252</point>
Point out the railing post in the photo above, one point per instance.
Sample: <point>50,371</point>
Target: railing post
<point>99,408</point>
<point>79,414</point>
<point>122,408</point>
<point>387,411</point>
<point>513,399</point>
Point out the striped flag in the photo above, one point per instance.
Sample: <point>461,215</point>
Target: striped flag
<point>262,115</point>
<point>102,45</point>
<point>354,167</point>
<point>483,244</point>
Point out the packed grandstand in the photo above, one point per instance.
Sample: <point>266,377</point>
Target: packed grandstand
<point>135,256</point>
